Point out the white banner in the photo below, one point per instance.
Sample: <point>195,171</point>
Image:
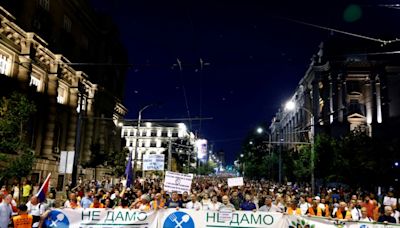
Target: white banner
<point>235,181</point>
<point>153,162</point>
<point>184,218</point>
<point>79,218</point>
<point>177,182</point>
<point>66,162</point>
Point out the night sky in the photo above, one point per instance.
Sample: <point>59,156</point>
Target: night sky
<point>256,58</point>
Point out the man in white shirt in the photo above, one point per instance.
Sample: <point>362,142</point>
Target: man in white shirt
<point>214,205</point>
<point>364,215</point>
<point>194,204</point>
<point>396,213</point>
<point>268,206</point>
<point>355,211</point>
<point>35,209</point>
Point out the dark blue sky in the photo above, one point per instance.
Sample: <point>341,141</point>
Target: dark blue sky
<point>256,59</point>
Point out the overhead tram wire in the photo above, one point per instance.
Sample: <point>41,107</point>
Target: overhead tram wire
<point>381,41</point>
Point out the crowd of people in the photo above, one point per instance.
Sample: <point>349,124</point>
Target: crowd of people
<point>207,193</point>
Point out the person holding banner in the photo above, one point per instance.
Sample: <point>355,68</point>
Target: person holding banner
<point>226,205</point>
<point>35,209</point>
<point>268,206</point>
<point>194,204</point>
<point>158,202</point>
<point>174,202</point>
<point>214,205</point>
<point>342,212</point>
<point>293,209</point>
<point>248,205</point>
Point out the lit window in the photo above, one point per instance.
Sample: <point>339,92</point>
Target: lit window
<point>3,64</point>
<point>45,4</point>
<point>67,23</point>
<point>61,95</point>
<point>83,104</point>
<point>35,81</point>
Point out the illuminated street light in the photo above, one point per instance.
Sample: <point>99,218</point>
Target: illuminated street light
<point>251,142</point>
<point>290,106</point>
<point>241,155</point>
<point>260,130</point>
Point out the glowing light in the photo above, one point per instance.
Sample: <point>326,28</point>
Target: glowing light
<point>290,105</point>
<point>260,130</point>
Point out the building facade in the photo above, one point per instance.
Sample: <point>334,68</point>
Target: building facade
<point>157,138</point>
<point>347,86</point>
<point>49,78</point>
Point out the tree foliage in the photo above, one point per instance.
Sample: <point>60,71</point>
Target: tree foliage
<point>17,157</point>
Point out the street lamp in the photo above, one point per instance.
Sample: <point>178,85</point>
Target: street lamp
<point>260,130</point>
<point>290,106</point>
<point>137,138</point>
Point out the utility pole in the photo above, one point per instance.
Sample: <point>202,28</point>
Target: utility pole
<point>81,89</point>
<point>170,155</point>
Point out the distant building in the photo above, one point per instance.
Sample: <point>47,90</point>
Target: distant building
<point>42,43</point>
<point>347,86</point>
<point>155,138</point>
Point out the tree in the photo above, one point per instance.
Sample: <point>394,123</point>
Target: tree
<point>15,112</point>
<point>207,168</point>
<point>118,162</point>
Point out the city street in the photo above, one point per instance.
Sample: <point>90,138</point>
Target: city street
<point>199,113</point>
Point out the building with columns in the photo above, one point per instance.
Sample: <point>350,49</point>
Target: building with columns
<point>157,138</point>
<point>350,84</point>
<point>29,65</point>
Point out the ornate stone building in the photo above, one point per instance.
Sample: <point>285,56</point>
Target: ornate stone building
<point>350,84</point>
<point>29,64</point>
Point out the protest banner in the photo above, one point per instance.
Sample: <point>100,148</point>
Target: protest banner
<point>153,162</point>
<point>235,181</point>
<point>77,218</point>
<point>184,218</point>
<point>177,182</point>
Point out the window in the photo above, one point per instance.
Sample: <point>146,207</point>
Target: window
<point>35,81</point>
<point>67,23</point>
<point>79,104</point>
<point>131,133</point>
<point>3,64</point>
<point>153,133</point>
<point>153,144</point>
<point>164,134</point>
<point>61,95</point>
<point>45,4</point>
<point>175,134</point>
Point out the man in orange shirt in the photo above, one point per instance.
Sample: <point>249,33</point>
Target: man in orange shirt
<point>96,203</point>
<point>23,220</point>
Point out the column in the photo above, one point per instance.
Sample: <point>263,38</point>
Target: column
<point>25,62</point>
<point>86,155</point>
<point>340,98</point>
<point>52,86</point>
<point>73,103</point>
<point>315,103</point>
<point>368,100</point>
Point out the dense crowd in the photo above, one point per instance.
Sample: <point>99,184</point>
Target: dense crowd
<point>207,193</point>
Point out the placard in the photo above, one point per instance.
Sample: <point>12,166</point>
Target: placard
<point>235,181</point>
<point>153,162</point>
<point>177,182</point>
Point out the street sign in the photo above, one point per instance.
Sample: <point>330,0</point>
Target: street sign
<point>153,162</point>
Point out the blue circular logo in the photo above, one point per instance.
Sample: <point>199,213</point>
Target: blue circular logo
<point>179,219</point>
<point>56,219</point>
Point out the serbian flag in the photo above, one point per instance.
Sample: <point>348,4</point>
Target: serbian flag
<point>44,189</point>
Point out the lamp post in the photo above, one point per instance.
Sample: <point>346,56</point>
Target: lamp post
<point>243,164</point>
<point>137,138</point>
<point>290,105</point>
<point>260,130</point>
